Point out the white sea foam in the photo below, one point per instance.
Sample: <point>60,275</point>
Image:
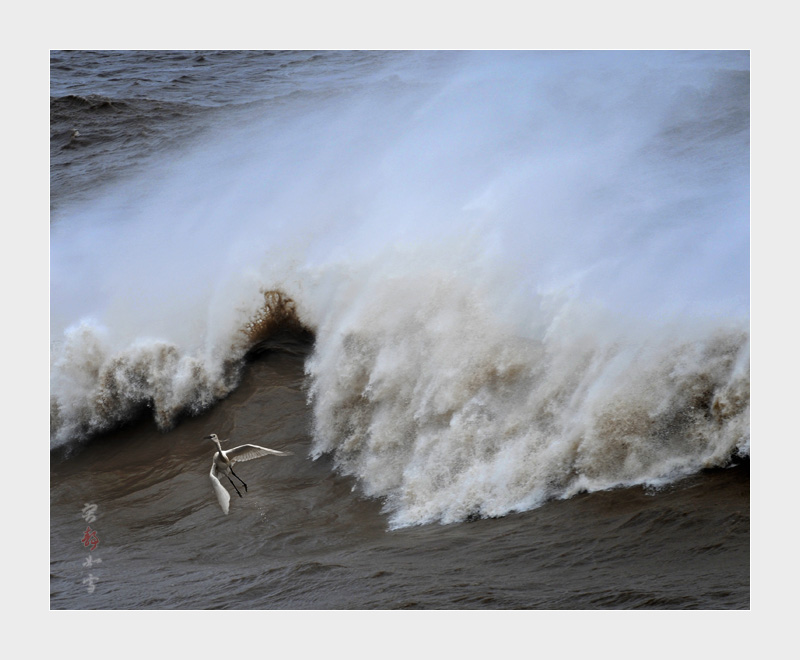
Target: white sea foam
<point>527,275</point>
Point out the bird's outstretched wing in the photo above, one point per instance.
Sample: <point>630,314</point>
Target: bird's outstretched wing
<point>249,452</point>
<point>222,495</point>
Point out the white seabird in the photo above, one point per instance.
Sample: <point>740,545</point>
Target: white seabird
<point>223,463</point>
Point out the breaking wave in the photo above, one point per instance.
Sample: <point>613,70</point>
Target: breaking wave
<point>447,414</point>
<point>525,275</point>
<point>99,388</point>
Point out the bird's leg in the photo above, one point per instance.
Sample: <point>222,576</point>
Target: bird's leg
<point>240,479</point>
<point>234,486</point>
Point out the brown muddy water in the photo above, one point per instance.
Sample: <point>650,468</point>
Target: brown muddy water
<point>303,537</point>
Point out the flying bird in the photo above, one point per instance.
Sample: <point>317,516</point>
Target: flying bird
<point>224,461</point>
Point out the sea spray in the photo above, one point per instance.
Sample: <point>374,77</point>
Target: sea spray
<point>101,388</point>
<point>526,274</point>
<point>448,413</point>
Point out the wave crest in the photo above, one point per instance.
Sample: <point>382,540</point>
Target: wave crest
<point>459,416</point>
<point>95,388</point>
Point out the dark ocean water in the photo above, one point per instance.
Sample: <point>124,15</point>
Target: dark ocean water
<point>495,305</point>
